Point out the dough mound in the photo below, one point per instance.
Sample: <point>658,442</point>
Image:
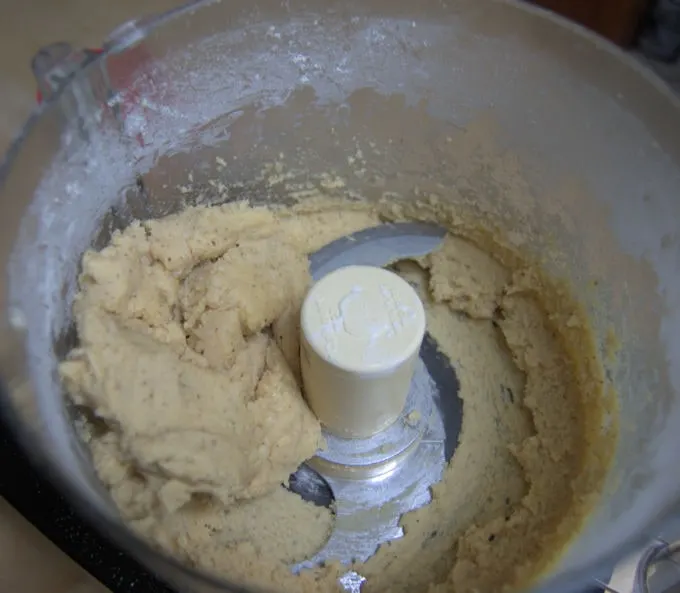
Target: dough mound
<point>187,375</point>
<point>200,406</point>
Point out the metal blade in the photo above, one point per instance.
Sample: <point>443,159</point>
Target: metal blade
<point>378,246</point>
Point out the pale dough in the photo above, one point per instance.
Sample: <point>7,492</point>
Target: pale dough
<point>188,371</point>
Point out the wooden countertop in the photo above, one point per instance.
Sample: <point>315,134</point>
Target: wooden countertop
<point>29,563</point>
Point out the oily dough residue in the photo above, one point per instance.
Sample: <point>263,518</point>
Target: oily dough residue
<point>187,373</point>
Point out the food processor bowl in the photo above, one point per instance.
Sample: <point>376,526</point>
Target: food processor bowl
<point>524,120</point>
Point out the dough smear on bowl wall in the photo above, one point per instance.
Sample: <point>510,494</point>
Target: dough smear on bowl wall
<point>188,372</point>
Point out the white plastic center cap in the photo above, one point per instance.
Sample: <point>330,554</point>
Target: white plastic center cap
<point>361,333</point>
